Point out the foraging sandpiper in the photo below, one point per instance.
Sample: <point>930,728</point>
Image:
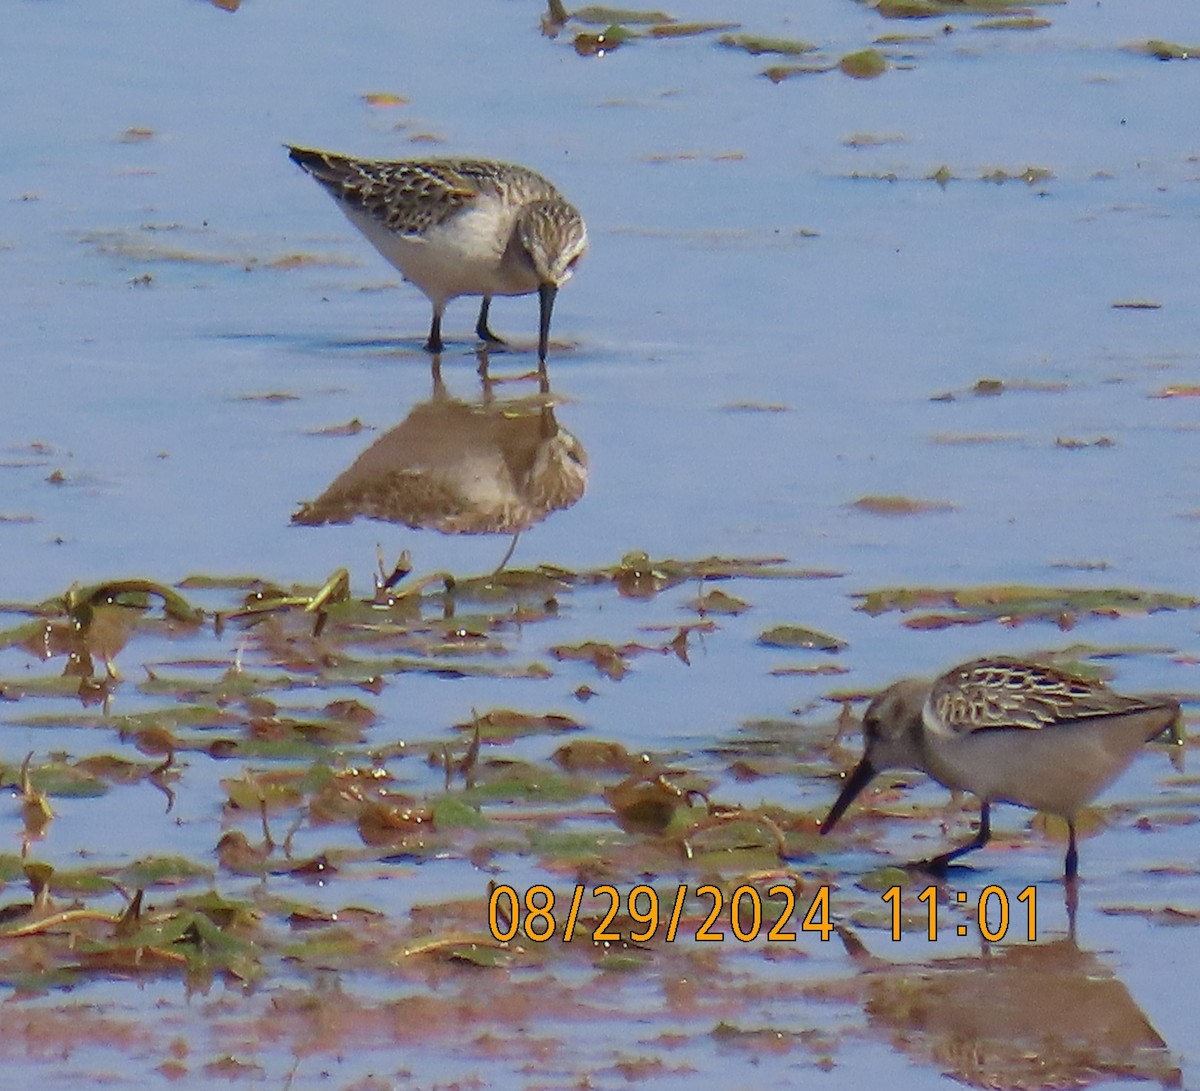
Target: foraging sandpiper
<point>459,227</point>
<point>1009,732</point>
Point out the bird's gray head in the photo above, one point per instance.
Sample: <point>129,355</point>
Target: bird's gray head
<point>892,725</point>
<point>554,238</point>
<point>891,738</point>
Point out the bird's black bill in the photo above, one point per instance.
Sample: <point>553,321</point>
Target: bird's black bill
<point>546,294</point>
<point>856,782</point>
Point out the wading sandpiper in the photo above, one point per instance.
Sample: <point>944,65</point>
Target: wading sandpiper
<point>1009,732</point>
<point>459,227</point>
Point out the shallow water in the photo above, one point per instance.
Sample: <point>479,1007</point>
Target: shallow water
<point>763,333</point>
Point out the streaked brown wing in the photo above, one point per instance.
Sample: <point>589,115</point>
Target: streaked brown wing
<point>408,196</point>
<point>1009,693</point>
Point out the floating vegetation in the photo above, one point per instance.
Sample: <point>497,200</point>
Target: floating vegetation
<point>506,724</point>
<point>757,44</point>
<point>1166,51</point>
<point>991,388</point>
<point>900,505</point>
<point>599,15</point>
<point>718,602</point>
<point>974,439</point>
<point>617,24</point>
<point>385,99</point>
<point>934,9</point>
<point>1182,390</point>
<point>1029,175</point>
<point>599,45</point>
<point>688,30</point>
<point>1014,604</point>
<point>873,140</point>
<point>799,636</point>
<point>692,157</point>
<point>1014,22</point>
<point>866,64</point>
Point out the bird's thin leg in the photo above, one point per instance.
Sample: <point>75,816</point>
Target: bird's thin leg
<point>435,371</point>
<point>546,294</point>
<point>434,344</point>
<point>481,327</point>
<point>1072,869</point>
<point>938,864</point>
<point>512,548</point>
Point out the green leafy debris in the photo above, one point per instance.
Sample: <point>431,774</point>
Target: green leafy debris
<point>609,39</point>
<point>866,64</point>
<point>1167,51</point>
<point>598,15</point>
<point>799,636</point>
<point>688,30</point>
<point>757,44</point>
<point>932,9</point>
<point>506,724</point>
<point>718,602</point>
<point>151,871</point>
<point>1014,22</point>
<point>1015,603</point>
<point>1029,175</point>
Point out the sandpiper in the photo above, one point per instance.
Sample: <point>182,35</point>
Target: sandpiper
<point>1009,732</point>
<point>459,227</point>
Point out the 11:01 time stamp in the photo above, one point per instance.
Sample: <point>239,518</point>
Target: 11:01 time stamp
<point>743,914</point>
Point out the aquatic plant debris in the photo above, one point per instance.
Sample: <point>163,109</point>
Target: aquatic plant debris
<point>1013,604</point>
<point>1014,22</point>
<point>1163,50</point>
<point>606,16</point>
<point>757,44</point>
<point>933,9</point>
<point>799,636</point>
<point>900,505</point>
<point>865,64</point>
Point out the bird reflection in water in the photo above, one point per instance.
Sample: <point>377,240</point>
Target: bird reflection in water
<point>1038,1015</point>
<point>490,466</point>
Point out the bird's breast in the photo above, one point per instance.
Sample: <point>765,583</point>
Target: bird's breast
<point>464,255</point>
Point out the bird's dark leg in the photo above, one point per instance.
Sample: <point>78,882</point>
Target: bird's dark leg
<point>481,327</point>
<point>938,865</point>
<point>546,294</point>
<point>1071,897</point>
<point>512,548</point>
<point>1072,869</point>
<point>434,344</point>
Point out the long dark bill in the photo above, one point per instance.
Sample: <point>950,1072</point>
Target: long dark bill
<point>546,294</point>
<point>855,783</point>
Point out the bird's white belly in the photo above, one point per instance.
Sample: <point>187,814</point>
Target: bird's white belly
<point>1057,769</point>
<point>460,257</point>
